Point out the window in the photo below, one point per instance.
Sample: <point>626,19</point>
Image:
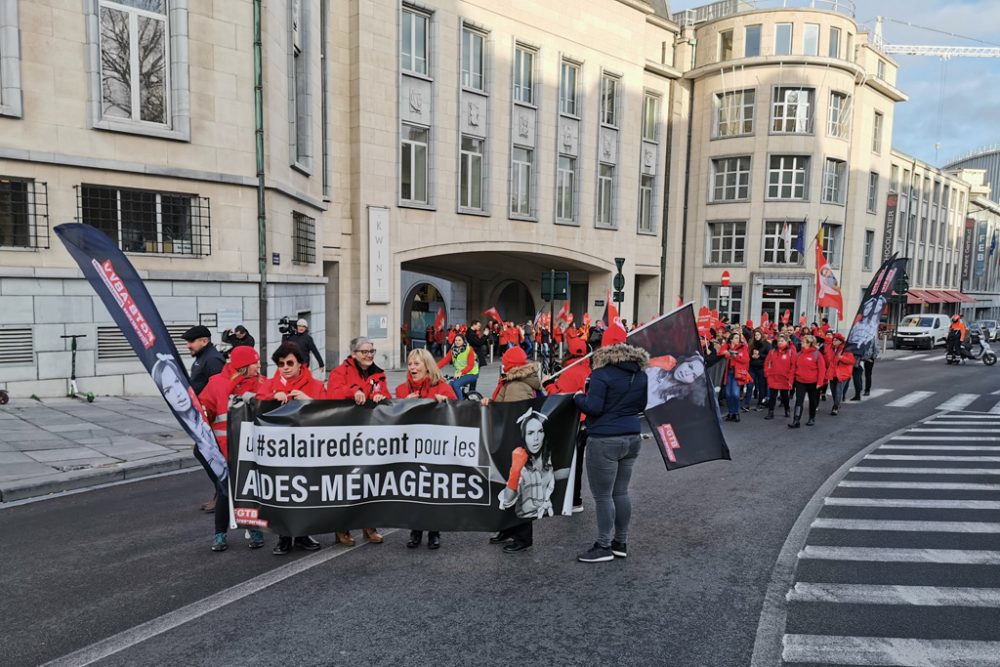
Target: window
<point>726,45</point>
<point>873,192</point>
<point>24,213</point>
<point>877,133</point>
<point>782,39</point>
<point>520,181</point>
<point>751,41</point>
<point>834,46</point>
<point>524,75</point>
<point>791,111</point>
<point>303,239</point>
<point>733,308</point>
<point>731,179</point>
<point>833,181</point>
<point>787,177</point>
<point>779,242</point>
<point>650,115</point>
<point>413,41</point>
<point>880,70</point>
<point>473,60</point>
<point>734,113</point>
<point>10,57</point>
<point>413,174</point>
<point>810,39</point>
<point>609,100</point>
<point>727,242</point>
<point>646,203</point>
<point>299,85</point>
<point>566,189</point>
<point>869,249</point>
<point>146,220</point>
<point>568,76</point>
<point>831,244</point>
<point>471,179</point>
<point>839,116</point>
<point>605,195</point>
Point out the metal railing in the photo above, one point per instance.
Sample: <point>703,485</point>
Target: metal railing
<point>724,8</point>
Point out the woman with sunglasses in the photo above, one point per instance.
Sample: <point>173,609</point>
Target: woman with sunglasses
<point>360,380</point>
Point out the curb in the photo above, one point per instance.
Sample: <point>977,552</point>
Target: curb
<point>44,485</point>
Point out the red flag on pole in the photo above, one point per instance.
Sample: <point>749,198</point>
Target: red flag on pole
<point>495,314</point>
<point>764,318</point>
<point>827,287</point>
<point>614,319</point>
<point>564,313</point>
<point>680,302</point>
<point>439,319</point>
<point>786,316</point>
<point>704,321</point>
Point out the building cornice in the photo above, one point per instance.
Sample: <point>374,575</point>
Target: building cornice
<point>661,22</point>
<point>638,5</point>
<point>666,71</point>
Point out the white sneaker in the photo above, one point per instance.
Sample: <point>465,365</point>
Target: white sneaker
<point>577,509</point>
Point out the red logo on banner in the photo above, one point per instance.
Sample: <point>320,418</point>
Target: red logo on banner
<point>125,302</point>
<point>244,513</point>
<point>669,440</point>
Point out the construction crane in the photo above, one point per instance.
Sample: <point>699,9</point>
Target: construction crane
<point>945,52</point>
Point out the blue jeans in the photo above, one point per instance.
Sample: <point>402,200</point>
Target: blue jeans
<point>609,468</point>
<point>462,381</point>
<point>758,384</point>
<point>732,394</point>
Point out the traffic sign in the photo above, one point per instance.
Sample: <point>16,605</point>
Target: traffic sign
<point>555,285</point>
<point>618,297</point>
<point>724,291</point>
<point>725,278</point>
<point>619,262</point>
<point>619,282</point>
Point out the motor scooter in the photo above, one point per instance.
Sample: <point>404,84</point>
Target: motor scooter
<point>978,350</point>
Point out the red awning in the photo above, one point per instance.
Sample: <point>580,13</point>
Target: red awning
<point>946,296</point>
<point>913,300</point>
<point>926,296</point>
<point>959,297</point>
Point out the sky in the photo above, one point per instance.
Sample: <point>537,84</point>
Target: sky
<point>955,103</point>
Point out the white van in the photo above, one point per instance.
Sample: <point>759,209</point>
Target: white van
<point>924,330</point>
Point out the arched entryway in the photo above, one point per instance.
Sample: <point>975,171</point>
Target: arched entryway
<point>420,308</point>
<point>514,301</point>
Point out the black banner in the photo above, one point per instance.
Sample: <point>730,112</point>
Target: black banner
<point>324,466</point>
<point>125,296</point>
<point>682,409</point>
<point>889,235</point>
<point>862,339</point>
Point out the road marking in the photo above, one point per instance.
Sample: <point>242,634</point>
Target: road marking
<point>932,437</point>
<point>875,393</point>
<point>157,626</point>
<point>913,356</point>
<point>964,416</point>
<point>908,526</point>
<point>915,503</point>
<point>830,649</point>
<point>921,596</point>
<point>912,398</point>
<point>995,393</point>
<point>995,410</point>
<point>927,471</point>
<point>952,430</point>
<point>935,358</point>
<point>924,486</point>
<point>890,555</point>
<point>931,457</point>
<point>958,401</point>
<point>950,448</point>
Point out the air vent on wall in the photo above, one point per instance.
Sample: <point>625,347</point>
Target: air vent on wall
<point>112,345</point>
<point>16,346</point>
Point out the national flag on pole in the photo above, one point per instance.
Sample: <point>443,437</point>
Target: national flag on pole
<point>827,286</point>
<point>538,319</point>
<point>564,314</point>
<point>800,240</point>
<point>494,313</point>
<point>786,240</point>
<point>993,243</point>
<point>439,320</point>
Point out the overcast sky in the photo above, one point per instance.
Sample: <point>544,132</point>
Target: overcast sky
<point>956,103</point>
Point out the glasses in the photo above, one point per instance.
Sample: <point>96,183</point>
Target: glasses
<point>288,363</point>
<point>366,352</point>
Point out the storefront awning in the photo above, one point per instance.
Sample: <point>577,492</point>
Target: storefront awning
<point>958,296</point>
<point>944,296</point>
<point>912,299</point>
<point>926,296</point>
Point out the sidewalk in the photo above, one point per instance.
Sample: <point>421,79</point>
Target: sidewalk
<point>60,444</point>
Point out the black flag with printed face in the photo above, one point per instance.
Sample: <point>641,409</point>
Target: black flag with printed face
<point>121,289</point>
<point>862,339</point>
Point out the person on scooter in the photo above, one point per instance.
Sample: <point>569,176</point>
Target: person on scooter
<point>956,337</point>
<point>466,365</point>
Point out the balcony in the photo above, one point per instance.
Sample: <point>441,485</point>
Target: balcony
<point>723,8</point>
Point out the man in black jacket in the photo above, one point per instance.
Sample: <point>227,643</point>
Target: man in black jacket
<point>306,344</point>
<point>208,361</point>
<point>477,342</point>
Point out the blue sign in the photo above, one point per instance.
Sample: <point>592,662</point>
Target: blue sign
<point>980,252</point>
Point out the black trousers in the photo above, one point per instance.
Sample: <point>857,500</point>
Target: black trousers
<point>812,391</point>
<point>581,444</point>
<point>786,395</point>
<point>221,513</point>
<point>522,533</point>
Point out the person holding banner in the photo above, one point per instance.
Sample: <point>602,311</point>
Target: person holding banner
<point>424,380</point>
<point>240,376</point>
<point>810,374</point>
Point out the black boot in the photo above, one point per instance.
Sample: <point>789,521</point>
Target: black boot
<point>770,414</point>
<point>786,412</point>
<point>415,538</point>
<point>798,417</point>
<point>812,421</point>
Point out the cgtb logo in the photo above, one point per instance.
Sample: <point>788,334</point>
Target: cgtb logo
<point>246,514</point>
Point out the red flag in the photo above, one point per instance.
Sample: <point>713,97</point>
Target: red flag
<point>802,320</point>
<point>615,320</point>
<point>564,313</point>
<point>785,316</point>
<point>586,320</point>
<point>495,314</point>
<point>827,287</point>
<point>764,318</point>
<point>439,319</point>
<point>680,302</point>
<point>704,321</point>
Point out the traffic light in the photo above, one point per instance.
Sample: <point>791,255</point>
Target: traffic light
<point>900,288</point>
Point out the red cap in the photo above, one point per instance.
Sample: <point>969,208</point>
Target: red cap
<point>839,336</point>
<point>749,324</point>
<point>576,347</point>
<point>613,336</point>
<point>243,355</point>
<point>513,358</point>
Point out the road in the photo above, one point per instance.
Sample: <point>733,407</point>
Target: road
<point>127,571</point>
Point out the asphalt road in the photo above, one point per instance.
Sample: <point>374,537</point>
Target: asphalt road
<point>83,568</point>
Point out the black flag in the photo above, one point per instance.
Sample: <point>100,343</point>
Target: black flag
<point>861,340</point>
<point>115,280</point>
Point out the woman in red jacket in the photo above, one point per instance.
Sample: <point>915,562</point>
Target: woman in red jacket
<point>779,369</point>
<point>358,378</point>
<point>424,380</point>
<point>840,371</point>
<point>737,357</point>
<point>810,374</point>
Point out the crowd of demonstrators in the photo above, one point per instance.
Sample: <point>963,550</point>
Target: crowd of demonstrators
<point>793,365</point>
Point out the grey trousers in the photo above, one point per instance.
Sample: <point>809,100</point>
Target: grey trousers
<point>609,469</point>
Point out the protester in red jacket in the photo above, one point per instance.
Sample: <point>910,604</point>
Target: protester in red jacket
<point>810,374</point>
<point>292,381</point>
<point>737,356</point>
<point>358,378</point>
<point>840,370</point>
<point>570,381</point>
<point>826,349</point>
<point>779,370</point>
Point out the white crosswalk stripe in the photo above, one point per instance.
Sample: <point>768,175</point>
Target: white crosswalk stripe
<point>910,399</point>
<point>914,503</point>
<point>875,393</point>
<point>934,358</point>
<point>878,470</point>
<point>958,402</point>
<point>995,409</point>
<point>984,527</point>
<point>922,596</point>
<point>912,357</point>
<point>829,649</point>
<point>922,486</point>
<point>885,555</point>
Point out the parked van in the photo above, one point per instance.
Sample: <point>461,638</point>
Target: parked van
<point>926,330</point>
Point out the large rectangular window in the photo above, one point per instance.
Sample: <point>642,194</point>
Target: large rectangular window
<point>833,50</point>
<point>877,133</point>
<point>303,239</point>
<point>521,167</point>
<point>471,174</point>
<point>727,242</point>
<point>606,195</point>
<point>751,41</point>
<point>834,184</point>
<point>10,60</point>
<point>779,242</point>
<point>24,213</point>
<point>134,46</point>
<point>869,249</point>
<point>810,39</point>
<point>413,177</point>
<point>839,115</point>
<point>413,47</point>
<point>831,244</point>
<point>300,85</point>
<point>566,189</point>
<point>788,177</point>
<point>473,59</point>
<point>569,76</point>
<point>734,113</point>
<point>650,114</point>
<point>791,110</point>
<point>646,203</point>
<point>148,221</point>
<point>609,100</point>
<point>873,192</point>
<point>524,75</point>
<point>731,179</point>
<point>782,39</point>
<point>726,45</point>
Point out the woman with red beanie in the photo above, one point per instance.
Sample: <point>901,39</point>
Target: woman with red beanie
<point>810,374</point>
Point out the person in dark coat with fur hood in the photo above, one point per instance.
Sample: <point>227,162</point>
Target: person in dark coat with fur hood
<point>615,398</point>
